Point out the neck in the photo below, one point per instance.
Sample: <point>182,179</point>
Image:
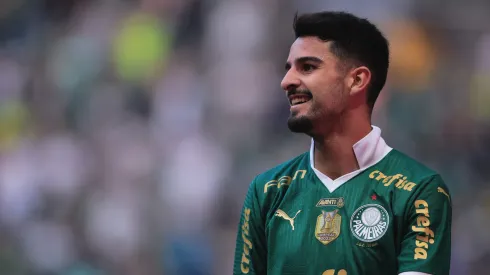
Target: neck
<point>333,152</point>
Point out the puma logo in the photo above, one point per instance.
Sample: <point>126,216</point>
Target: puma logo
<point>282,214</point>
<point>440,190</point>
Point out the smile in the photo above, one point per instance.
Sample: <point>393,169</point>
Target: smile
<point>298,99</point>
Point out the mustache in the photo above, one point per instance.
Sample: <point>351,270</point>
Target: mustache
<point>299,92</point>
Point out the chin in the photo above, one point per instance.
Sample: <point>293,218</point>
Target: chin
<point>300,124</point>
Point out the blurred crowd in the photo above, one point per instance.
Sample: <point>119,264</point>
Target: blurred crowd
<point>131,129</point>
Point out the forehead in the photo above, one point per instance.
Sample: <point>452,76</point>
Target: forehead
<point>309,46</point>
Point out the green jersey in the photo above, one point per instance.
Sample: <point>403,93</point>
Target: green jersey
<point>389,218</point>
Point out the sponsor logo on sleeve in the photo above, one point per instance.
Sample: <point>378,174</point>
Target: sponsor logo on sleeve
<point>441,190</point>
<point>425,236</point>
<point>247,244</point>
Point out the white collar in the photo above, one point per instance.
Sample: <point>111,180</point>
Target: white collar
<point>369,150</point>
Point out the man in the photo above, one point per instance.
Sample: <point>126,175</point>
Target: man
<point>351,205</point>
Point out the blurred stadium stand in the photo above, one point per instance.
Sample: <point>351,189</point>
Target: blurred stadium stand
<point>130,129</point>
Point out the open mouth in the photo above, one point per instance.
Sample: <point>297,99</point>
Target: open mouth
<point>299,99</point>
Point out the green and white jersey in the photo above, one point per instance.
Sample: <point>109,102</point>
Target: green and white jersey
<point>392,216</point>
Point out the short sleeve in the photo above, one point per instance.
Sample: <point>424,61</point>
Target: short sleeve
<point>426,243</point>
<point>251,249</point>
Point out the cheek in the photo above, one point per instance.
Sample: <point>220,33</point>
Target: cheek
<point>331,96</point>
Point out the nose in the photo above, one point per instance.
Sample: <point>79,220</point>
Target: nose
<point>290,81</point>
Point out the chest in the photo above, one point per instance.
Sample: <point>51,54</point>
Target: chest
<point>311,230</point>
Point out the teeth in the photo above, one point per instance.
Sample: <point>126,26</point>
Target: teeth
<point>298,100</point>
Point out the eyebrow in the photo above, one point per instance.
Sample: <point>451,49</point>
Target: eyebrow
<point>304,59</point>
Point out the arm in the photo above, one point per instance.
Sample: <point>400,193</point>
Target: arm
<point>251,248</point>
<point>426,245</point>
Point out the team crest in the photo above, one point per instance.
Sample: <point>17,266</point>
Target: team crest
<point>369,222</point>
<point>328,226</point>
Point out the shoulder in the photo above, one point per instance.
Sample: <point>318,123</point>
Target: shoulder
<point>418,171</point>
<point>400,171</point>
<point>410,178</point>
<point>282,174</point>
<point>269,187</point>
<point>287,168</point>
<point>410,164</point>
<point>272,185</point>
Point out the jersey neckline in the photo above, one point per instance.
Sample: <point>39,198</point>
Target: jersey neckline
<point>369,150</point>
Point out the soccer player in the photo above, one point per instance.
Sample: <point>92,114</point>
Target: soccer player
<point>352,205</point>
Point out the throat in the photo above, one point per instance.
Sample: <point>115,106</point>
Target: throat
<point>333,151</point>
<point>334,161</point>
<point>333,170</point>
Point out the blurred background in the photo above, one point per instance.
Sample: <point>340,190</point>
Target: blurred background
<point>131,129</point>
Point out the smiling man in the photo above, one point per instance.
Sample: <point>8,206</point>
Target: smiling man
<point>352,205</point>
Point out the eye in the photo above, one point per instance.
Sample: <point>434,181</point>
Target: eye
<point>308,68</point>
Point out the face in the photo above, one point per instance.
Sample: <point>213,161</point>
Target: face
<point>314,85</point>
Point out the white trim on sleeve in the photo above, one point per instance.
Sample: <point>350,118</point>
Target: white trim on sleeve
<point>414,273</point>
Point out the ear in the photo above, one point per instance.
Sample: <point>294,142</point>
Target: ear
<point>358,79</point>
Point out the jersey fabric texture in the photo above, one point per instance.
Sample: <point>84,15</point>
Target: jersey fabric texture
<point>391,216</point>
